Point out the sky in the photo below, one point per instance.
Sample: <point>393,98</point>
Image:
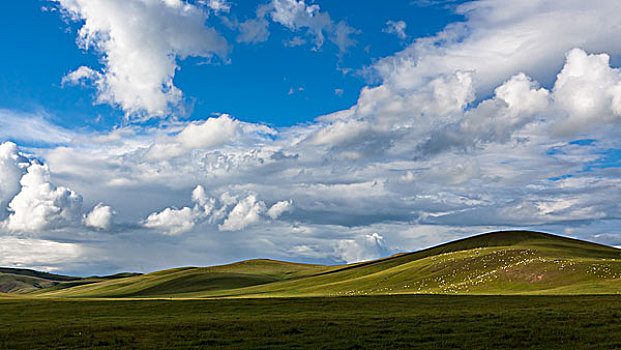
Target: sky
<point>137,135</point>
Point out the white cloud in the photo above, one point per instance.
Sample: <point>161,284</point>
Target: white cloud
<point>218,5</point>
<point>199,196</point>
<point>212,132</point>
<point>517,102</point>
<point>448,165</point>
<point>297,16</point>
<point>588,90</point>
<point>341,36</point>
<point>12,166</point>
<point>140,42</point>
<point>584,97</point>
<point>280,208</point>
<point>499,39</point>
<point>340,131</point>
<point>232,213</point>
<point>32,128</point>
<point>33,203</point>
<point>248,211</point>
<point>366,247</point>
<point>172,221</point>
<point>43,254</point>
<point>40,205</point>
<point>397,28</point>
<point>206,134</point>
<point>81,75</point>
<point>296,41</point>
<point>437,102</point>
<point>253,31</point>
<point>100,217</point>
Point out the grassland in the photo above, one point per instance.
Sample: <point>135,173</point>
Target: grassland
<point>502,290</point>
<point>360,322</point>
<point>24,281</point>
<point>511,262</point>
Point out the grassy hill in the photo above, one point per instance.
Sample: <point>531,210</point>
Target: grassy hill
<point>25,281</point>
<point>508,262</point>
<point>192,280</point>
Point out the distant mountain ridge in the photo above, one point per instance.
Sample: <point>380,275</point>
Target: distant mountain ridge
<point>504,262</point>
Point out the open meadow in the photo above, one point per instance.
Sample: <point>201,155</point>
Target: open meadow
<point>357,322</point>
<point>499,290</point>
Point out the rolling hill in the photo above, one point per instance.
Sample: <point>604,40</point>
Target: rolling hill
<point>506,262</point>
<point>24,281</point>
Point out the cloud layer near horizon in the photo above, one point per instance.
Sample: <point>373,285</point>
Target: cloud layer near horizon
<point>458,138</point>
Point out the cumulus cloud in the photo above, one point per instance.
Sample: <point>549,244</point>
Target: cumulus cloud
<point>31,203</point>
<point>366,247</point>
<point>441,99</point>
<point>100,217</point>
<point>173,221</point>
<point>82,75</point>
<point>500,39</point>
<point>279,208</point>
<point>397,28</point>
<point>584,96</point>
<point>588,90</point>
<point>228,211</point>
<point>339,132</point>
<point>218,6</point>
<point>12,166</point>
<point>212,132</point>
<point>41,205</point>
<point>248,211</point>
<point>297,16</point>
<point>206,134</point>
<point>200,197</point>
<point>140,42</point>
<point>516,102</point>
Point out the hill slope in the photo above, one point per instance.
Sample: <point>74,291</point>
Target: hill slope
<point>508,262</point>
<point>23,281</point>
<point>184,280</point>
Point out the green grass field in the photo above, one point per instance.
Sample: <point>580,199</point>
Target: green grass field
<point>512,262</point>
<point>500,290</point>
<point>360,322</point>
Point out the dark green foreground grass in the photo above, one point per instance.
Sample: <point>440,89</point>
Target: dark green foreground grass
<point>414,321</point>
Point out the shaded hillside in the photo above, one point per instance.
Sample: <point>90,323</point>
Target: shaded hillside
<point>186,280</point>
<point>22,281</point>
<point>507,262</point>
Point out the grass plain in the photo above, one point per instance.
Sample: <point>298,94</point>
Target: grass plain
<point>513,289</point>
<point>357,322</point>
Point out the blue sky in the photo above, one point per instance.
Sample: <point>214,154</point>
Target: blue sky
<point>137,135</point>
<point>40,47</point>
